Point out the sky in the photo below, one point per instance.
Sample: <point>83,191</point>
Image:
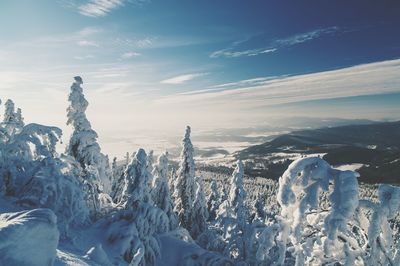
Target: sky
<point>152,67</point>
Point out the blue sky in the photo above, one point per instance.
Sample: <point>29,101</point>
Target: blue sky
<point>155,66</point>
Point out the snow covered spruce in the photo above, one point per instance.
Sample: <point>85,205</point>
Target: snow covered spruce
<point>74,208</point>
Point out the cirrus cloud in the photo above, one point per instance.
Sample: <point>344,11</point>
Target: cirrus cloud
<point>182,78</point>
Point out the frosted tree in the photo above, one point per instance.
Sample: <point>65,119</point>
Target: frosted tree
<point>160,191</point>
<point>232,216</point>
<point>199,224</point>
<point>237,194</point>
<point>83,145</point>
<point>10,116</point>
<point>382,248</point>
<point>259,205</point>
<point>114,168</point>
<point>150,161</point>
<point>303,223</point>
<point>19,117</point>
<point>33,173</point>
<point>12,120</point>
<point>213,201</point>
<point>140,215</point>
<point>171,183</point>
<point>136,183</point>
<point>185,184</point>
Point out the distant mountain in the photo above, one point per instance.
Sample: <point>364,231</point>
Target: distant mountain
<point>375,147</point>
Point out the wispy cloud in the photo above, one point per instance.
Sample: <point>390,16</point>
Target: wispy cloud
<point>233,51</point>
<point>87,31</point>
<point>146,42</point>
<point>182,78</point>
<point>128,55</point>
<point>237,85</point>
<point>251,52</point>
<point>368,79</point>
<point>305,37</point>
<point>83,57</point>
<point>99,8</point>
<point>87,43</point>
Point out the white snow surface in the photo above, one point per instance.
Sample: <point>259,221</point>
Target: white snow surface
<point>28,238</point>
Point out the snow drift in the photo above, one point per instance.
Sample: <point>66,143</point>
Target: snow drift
<point>28,238</point>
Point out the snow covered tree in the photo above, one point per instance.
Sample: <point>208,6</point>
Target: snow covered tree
<point>382,248</point>
<point>136,183</point>
<point>200,211</point>
<point>114,169</point>
<point>160,191</point>
<point>83,145</point>
<point>237,195</point>
<point>19,117</point>
<point>185,185</point>
<point>304,224</point>
<point>139,214</point>
<point>213,201</point>
<point>12,120</point>
<point>150,161</point>
<point>10,116</point>
<point>259,205</point>
<point>171,183</point>
<point>32,172</point>
<point>232,216</point>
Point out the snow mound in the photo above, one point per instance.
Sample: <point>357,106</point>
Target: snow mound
<point>177,252</point>
<point>98,255</point>
<point>28,238</point>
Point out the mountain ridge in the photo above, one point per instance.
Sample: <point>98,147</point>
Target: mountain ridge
<point>376,146</point>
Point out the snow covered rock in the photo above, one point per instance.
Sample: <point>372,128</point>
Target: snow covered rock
<point>28,238</point>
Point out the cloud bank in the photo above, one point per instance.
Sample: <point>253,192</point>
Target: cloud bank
<point>367,79</point>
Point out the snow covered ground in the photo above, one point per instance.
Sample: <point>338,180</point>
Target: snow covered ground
<point>28,238</point>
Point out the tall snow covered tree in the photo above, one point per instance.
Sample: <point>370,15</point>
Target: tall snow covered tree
<point>232,217</point>
<point>83,145</point>
<point>199,224</point>
<point>160,192</point>
<point>185,184</point>
<point>237,194</point>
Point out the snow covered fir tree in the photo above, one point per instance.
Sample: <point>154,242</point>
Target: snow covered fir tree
<point>75,208</point>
